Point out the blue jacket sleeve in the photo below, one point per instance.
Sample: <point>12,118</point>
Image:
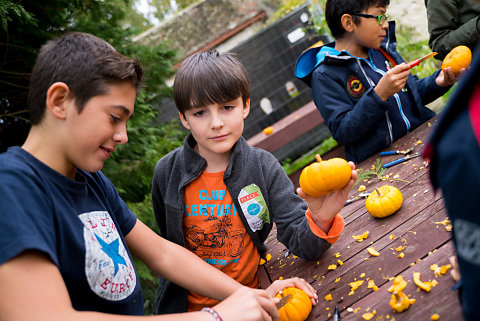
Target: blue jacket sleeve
<point>428,88</point>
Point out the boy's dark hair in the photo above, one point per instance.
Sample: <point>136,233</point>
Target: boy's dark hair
<point>209,77</point>
<point>86,63</point>
<point>335,9</point>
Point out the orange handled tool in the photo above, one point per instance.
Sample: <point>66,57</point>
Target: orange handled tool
<point>416,62</point>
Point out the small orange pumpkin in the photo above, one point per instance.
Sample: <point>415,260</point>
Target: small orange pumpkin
<point>323,177</point>
<point>460,57</point>
<point>268,130</point>
<point>299,306</point>
<point>384,201</point>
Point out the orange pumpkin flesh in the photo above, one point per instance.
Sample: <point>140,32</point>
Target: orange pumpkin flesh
<point>384,201</point>
<point>323,177</point>
<point>460,57</point>
<point>299,306</point>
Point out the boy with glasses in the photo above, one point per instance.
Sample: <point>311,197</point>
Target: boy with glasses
<point>360,83</point>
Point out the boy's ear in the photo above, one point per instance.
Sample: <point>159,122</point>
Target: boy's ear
<point>57,96</point>
<point>246,108</point>
<point>347,22</point>
<point>183,120</point>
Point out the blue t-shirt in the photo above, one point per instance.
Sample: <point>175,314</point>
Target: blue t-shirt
<point>80,224</point>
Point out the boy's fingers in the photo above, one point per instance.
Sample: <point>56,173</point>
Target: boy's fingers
<point>269,309</point>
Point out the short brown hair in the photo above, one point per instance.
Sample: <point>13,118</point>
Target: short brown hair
<point>86,63</point>
<point>209,77</point>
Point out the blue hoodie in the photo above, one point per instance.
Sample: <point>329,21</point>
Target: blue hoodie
<point>342,87</point>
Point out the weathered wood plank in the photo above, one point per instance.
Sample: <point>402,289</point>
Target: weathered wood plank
<point>288,128</point>
<point>435,301</point>
<point>348,248</point>
<point>381,268</point>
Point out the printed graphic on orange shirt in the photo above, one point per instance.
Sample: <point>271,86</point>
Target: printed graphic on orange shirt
<point>215,240</point>
<point>354,86</point>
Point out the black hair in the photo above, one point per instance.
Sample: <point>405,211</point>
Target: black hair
<point>209,77</point>
<point>88,65</point>
<point>335,9</point>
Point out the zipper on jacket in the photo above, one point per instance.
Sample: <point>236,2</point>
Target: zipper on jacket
<point>389,125</point>
<point>400,110</point>
<point>372,84</point>
<point>397,99</point>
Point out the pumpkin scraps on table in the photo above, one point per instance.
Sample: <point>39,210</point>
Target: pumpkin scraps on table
<point>323,177</point>
<point>399,301</point>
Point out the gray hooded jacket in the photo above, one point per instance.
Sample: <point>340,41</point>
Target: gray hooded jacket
<point>247,166</point>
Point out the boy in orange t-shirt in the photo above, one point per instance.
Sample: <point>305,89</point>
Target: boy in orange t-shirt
<point>219,197</point>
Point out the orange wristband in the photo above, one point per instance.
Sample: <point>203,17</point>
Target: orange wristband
<point>335,230</point>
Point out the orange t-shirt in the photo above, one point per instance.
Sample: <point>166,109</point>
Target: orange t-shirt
<point>213,230</point>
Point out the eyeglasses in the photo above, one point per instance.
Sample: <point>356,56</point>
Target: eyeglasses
<point>381,18</point>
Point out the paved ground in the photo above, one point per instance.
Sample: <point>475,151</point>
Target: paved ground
<point>411,13</point>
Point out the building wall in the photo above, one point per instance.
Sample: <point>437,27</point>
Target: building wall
<point>202,23</point>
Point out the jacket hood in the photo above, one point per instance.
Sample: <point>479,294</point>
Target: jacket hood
<point>316,53</point>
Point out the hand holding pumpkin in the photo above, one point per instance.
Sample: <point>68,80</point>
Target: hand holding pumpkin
<point>454,65</point>
<point>299,283</point>
<point>325,185</point>
<point>298,308</point>
<point>247,304</point>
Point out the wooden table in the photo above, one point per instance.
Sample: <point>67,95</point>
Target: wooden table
<point>417,227</point>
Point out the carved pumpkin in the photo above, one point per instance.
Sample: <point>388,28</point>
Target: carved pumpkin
<point>460,57</point>
<point>384,201</point>
<point>323,177</point>
<point>299,306</point>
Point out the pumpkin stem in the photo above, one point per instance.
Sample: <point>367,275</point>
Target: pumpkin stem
<point>378,192</point>
<point>318,158</point>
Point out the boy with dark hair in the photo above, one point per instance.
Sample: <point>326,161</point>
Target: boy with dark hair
<point>360,83</point>
<point>219,197</point>
<point>66,233</point>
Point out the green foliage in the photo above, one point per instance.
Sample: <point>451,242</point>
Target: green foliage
<point>376,172</point>
<point>166,8</point>
<point>148,281</point>
<point>7,7</point>
<point>318,23</point>
<point>283,8</point>
<point>411,50</point>
<point>130,168</point>
<point>326,145</point>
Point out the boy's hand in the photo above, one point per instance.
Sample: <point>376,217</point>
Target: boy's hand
<point>324,208</point>
<point>455,272</point>
<point>393,81</point>
<point>446,77</point>
<point>299,283</point>
<point>248,304</point>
